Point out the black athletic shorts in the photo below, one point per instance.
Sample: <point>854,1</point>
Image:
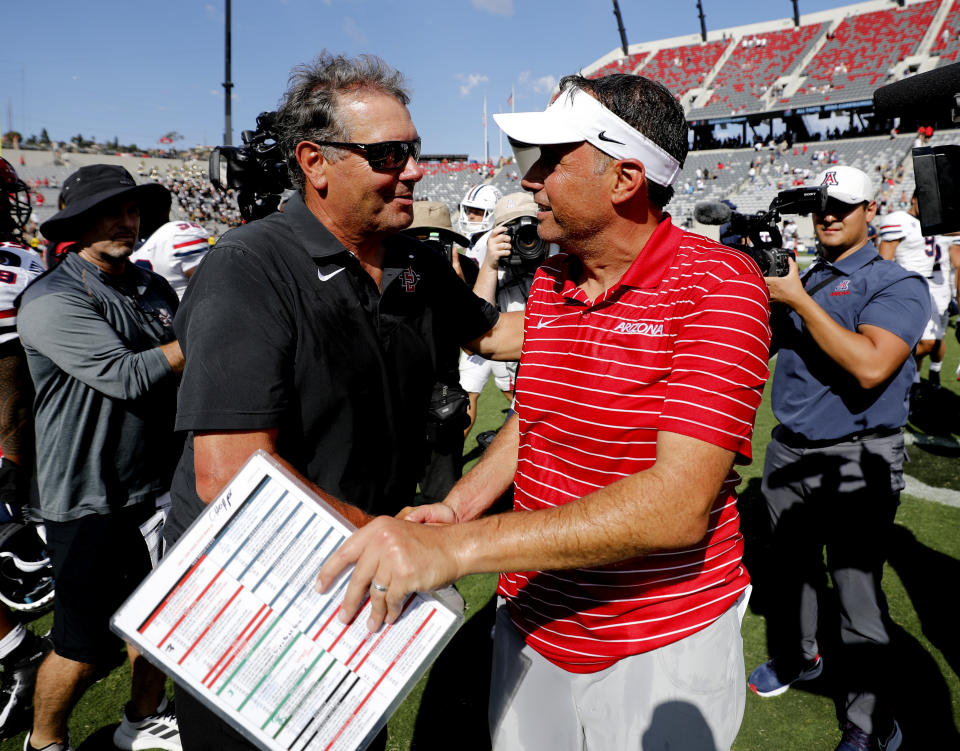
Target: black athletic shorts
<point>98,560</point>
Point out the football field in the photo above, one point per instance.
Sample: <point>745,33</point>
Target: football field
<point>448,707</point>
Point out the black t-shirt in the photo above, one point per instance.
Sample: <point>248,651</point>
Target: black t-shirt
<point>282,328</point>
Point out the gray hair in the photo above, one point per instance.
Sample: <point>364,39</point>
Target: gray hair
<point>649,107</point>
<point>310,108</point>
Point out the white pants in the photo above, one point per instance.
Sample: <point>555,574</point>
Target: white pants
<point>476,370</point>
<point>686,696</point>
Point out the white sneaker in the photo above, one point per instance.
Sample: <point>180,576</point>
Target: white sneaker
<point>27,746</point>
<point>159,730</point>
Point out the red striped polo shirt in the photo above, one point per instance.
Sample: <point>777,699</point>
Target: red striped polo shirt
<point>679,344</point>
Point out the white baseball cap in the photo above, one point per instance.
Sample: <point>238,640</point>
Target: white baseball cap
<point>577,116</point>
<point>846,184</point>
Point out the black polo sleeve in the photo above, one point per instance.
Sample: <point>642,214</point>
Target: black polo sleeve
<point>236,330</point>
<point>464,314</point>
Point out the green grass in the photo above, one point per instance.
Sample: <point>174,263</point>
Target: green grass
<point>448,707</point>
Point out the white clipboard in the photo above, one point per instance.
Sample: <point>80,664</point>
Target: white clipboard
<point>231,614</point>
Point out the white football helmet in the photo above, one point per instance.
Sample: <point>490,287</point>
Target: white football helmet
<point>26,575</point>
<point>482,198</point>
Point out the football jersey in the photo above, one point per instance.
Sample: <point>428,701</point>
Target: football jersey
<point>914,253</point>
<point>19,266</point>
<point>941,283</point>
<point>173,251</point>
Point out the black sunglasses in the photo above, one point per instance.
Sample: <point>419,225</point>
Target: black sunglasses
<point>385,155</point>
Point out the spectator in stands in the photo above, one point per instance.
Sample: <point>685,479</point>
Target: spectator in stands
<point>312,334</point>
<point>98,335</point>
<point>609,431</point>
<point>843,334</point>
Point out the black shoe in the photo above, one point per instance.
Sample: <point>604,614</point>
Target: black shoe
<point>16,689</point>
<point>933,378</point>
<point>854,739</point>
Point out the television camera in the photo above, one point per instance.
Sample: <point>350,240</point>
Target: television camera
<point>763,239</point>
<point>936,168</point>
<point>256,170</point>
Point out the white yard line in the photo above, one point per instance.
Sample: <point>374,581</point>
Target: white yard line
<point>920,489</point>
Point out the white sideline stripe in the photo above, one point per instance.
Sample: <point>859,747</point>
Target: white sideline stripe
<point>929,493</point>
<point>930,440</point>
<point>919,489</point>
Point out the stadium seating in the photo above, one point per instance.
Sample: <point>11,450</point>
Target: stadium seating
<point>756,63</point>
<point>861,54</point>
<point>683,68</point>
<point>947,44</point>
<point>447,182</point>
<point>620,65</point>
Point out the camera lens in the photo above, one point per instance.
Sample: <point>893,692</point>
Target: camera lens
<point>526,242</point>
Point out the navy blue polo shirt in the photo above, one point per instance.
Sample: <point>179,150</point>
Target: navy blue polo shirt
<point>815,397</point>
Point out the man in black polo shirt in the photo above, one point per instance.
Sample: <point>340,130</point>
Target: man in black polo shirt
<point>314,333</point>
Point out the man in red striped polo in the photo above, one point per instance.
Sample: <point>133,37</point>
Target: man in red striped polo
<point>644,359</point>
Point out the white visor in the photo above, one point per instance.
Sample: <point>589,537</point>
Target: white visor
<point>572,119</point>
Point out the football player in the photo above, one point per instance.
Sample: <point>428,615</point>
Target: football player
<point>174,251</point>
<point>21,652</point>
<point>902,240</point>
<point>476,215</point>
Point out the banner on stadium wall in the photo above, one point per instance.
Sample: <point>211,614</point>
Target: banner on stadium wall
<point>231,614</point>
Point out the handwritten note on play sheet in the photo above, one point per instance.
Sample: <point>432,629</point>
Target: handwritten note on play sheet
<point>232,615</point>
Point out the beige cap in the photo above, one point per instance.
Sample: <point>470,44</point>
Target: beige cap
<point>434,215</point>
<point>513,206</point>
<point>431,214</point>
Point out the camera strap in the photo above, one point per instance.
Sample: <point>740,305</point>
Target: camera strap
<point>834,273</point>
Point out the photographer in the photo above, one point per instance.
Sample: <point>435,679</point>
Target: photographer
<point>512,253</point>
<point>844,332</point>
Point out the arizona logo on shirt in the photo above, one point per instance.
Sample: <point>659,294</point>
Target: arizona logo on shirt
<point>654,329</point>
<point>830,179</point>
<point>409,278</point>
<point>843,288</point>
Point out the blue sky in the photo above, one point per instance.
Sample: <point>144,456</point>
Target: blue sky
<point>137,69</point>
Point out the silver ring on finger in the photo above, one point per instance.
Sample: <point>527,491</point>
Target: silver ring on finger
<point>378,586</point>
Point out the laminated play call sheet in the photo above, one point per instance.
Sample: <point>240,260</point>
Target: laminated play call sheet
<point>232,615</point>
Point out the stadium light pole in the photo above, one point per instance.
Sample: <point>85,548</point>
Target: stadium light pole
<point>796,14</point>
<point>227,85</point>
<point>623,32</point>
<point>703,21</point>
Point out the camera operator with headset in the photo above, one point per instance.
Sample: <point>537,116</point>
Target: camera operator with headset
<point>512,252</point>
<point>844,332</point>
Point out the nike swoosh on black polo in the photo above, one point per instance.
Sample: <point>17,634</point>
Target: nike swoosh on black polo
<point>328,277</point>
<point>602,137</point>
